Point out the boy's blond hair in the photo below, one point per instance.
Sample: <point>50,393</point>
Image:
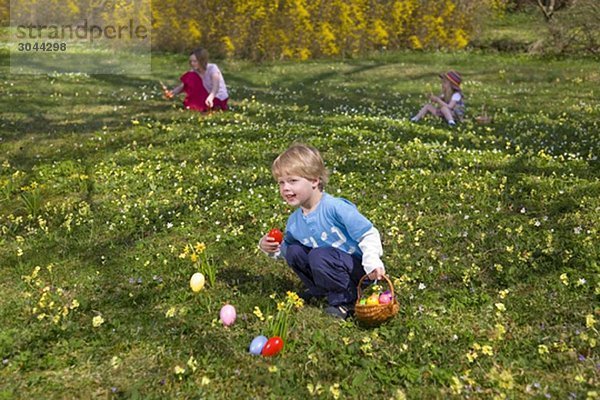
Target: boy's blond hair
<point>301,160</point>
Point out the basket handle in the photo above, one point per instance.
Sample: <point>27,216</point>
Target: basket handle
<point>363,278</point>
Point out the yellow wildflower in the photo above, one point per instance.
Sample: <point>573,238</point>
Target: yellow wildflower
<point>590,321</point>
<point>456,385</point>
<point>280,306</point>
<point>178,370</point>
<point>314,390</point>
<point>170,312</point>
<point>335,390</point>
<point>200,247</point>
<point>97,321</point>
<point>471,355</point>
<point>499,331</point>
<point>258,313</point>
<point>192,363</point>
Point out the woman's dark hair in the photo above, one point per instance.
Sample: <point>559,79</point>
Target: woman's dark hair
<point>202,56</point>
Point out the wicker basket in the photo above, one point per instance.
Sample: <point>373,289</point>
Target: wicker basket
<point>375,314</point>
<point>483,119</point>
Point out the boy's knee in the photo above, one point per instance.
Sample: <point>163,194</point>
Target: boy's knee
<point>322,256</point>
<point>294,252</point>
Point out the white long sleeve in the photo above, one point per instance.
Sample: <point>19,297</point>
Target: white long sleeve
<point>278,255</point>
<point>370,245</point>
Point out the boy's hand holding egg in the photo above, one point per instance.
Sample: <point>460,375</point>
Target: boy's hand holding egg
<point>271,241</point>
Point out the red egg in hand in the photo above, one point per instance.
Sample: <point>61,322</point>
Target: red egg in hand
<point>272,347</point>
<point>276,234</point>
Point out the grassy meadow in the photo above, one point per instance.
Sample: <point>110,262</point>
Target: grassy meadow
<point>490,232</point>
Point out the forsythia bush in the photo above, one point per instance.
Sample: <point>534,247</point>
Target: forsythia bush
<point>301,29</point>
<point>291,29</point>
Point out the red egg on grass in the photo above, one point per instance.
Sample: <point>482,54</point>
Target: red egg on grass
<point>272,347</point>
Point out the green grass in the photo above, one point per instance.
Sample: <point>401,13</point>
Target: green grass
<point>490,231</point>
<point>512,31</point>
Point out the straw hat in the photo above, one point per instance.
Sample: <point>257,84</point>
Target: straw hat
<point>453,77</point>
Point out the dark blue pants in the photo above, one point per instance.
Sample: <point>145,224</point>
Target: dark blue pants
<point>326,271</point>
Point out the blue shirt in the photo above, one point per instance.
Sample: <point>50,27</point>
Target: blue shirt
<point>335,222</point>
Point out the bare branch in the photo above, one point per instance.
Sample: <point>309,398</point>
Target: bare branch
<point>547,7</point>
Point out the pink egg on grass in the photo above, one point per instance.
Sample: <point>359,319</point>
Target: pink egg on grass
<point>227,315</point>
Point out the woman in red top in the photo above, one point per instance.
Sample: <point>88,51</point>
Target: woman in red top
<point>203,85</point>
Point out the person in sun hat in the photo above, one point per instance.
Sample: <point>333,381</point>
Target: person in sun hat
<point>450,104</point>
<point>328,243</point>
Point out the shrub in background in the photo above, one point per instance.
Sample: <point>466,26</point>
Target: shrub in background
<point>286,29</point>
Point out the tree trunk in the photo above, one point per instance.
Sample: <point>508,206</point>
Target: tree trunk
<point>547,7</point>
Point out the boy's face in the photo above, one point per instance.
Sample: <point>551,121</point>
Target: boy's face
<point>298,191</point>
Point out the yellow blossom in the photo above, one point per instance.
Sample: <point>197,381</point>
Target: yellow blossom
<point>456,386</point>
<point>500,307</point>
<point>205,381</point>
<point>115,362</point>
<point>200,247</point>
<point>564,279</point>
<point>170,312</point>
<point>543,349</point>
<point>178,370</point>
<point>193,257</point>
<point>399,395</point>
<point>258,313</point>
<point>590,321</point>
<point>499,331</point>
<point>487,350</point>
<point>314,390</point>
<point>273,368</point>
<point>471,356</point>
<point>335,390</point>
<point>97,321</point>
<point>192,364</point>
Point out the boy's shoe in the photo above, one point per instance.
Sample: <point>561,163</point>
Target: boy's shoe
<point>452,123</point>
<point>342,311</point>
<point>414,119</point>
